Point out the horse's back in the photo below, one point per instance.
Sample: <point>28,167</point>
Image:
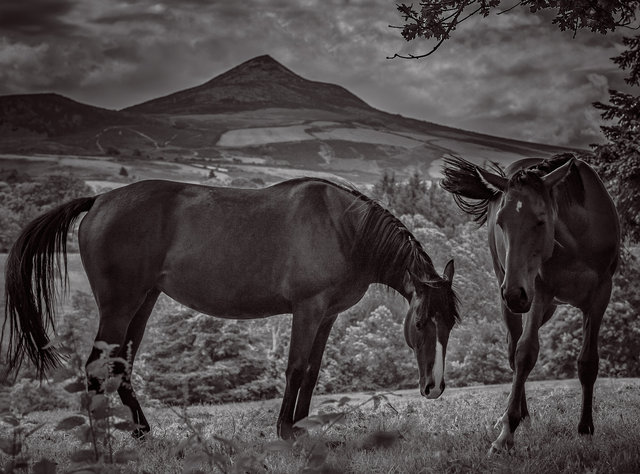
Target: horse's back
<point>210,247</point>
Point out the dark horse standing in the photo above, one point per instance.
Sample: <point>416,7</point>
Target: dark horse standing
<point>305,246</point>
<point>554,237</point>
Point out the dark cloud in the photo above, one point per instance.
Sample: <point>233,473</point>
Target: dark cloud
<point>35,17</point>
<point>130,17</point>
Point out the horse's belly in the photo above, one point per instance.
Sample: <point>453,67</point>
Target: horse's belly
<point>213,302</point>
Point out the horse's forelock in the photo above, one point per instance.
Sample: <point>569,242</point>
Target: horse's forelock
<point>569,192</point>
<point>445,303</point>
<point>527,178</point>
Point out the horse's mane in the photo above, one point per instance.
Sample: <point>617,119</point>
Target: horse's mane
<point>569,191</point>
<point>461,178</point>
<point>380,233</point>
<point>384,242</point>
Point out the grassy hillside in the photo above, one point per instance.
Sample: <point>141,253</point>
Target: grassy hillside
<point>258,111</point>
<point>407,434</point>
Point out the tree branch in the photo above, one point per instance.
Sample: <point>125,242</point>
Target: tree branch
<point>510,8</point>
<point>450,28</point>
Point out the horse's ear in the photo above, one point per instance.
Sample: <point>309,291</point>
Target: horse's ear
<point>492,180</point>
<point>448,270</point>
<point>407,283</point>
<point>558,175</point>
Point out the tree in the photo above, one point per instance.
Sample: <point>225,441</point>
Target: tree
<point>419,195</point>
<point>203,359</point>
<point>477,354</point>
<point>438,19</point>
<point>21,202</point>
<point>617,161</point>
<point>619,341</point>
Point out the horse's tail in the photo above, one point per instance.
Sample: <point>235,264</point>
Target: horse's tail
<point>37,256</point>
<point>461,178</point>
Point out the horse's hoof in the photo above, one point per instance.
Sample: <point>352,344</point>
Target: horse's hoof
<point>298,432</point>
<point>140,434</point>
<point>291,433</point>
<point>585,428</point>
<point>496,449</point>
<point>504,442</point>
<point>493,451</point>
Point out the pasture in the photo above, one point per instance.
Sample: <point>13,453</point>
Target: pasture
<point>394,433</point>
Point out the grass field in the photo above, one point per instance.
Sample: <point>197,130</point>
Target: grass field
<point>406,435</point>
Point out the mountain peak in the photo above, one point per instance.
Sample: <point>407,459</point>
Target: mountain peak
<point>261,82</point>
<point>260,68</point>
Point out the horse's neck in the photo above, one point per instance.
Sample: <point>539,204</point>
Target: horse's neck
<point>564,238</point>
<point>397,283</point>
<point>395,278</point>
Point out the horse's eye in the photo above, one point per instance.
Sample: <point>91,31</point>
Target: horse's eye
<point>540,223</point>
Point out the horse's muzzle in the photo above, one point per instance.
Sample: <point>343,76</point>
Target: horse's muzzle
<point>430,391</point>
<point>516,299</point>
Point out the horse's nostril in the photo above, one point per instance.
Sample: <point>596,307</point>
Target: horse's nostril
<point>428,388</point>
<point>523,295</point>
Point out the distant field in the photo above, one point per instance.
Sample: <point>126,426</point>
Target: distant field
<point>104,172</point>
<point>407,435</point>
<point>316,130</point>
<point>102,168</point>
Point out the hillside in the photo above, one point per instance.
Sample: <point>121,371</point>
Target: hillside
<point>50,122</point>
<point>258,118</point>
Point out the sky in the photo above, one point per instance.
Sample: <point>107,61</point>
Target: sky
<point>514,75</point>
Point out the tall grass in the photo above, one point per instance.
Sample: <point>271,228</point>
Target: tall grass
<point>392,434</point>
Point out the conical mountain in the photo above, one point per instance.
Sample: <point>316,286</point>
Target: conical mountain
<point>258,83</point>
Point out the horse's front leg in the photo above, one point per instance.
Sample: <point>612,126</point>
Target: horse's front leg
<point>313,369</point>
<point>588,358</point>
<point>513,323</point>
<point>307,318</point>
<point>525,357</point>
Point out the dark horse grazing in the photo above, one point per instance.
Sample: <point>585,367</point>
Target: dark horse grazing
<point>554,238</point>
<point>305,246</point>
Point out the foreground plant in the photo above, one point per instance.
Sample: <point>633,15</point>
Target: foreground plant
<point>100,416</point>
<point>14,445</point>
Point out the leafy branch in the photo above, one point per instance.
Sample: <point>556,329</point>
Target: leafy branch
<point>437,19</point>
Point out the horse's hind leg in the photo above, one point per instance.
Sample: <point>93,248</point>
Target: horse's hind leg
<point>119,313</point>
<point>588,358</point>
<point>128,351</point>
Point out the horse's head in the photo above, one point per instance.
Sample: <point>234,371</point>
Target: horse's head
<point>526,220</point>
<point>432,313</point>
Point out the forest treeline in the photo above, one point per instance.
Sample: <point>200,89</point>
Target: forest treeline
<point>190,357</point>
